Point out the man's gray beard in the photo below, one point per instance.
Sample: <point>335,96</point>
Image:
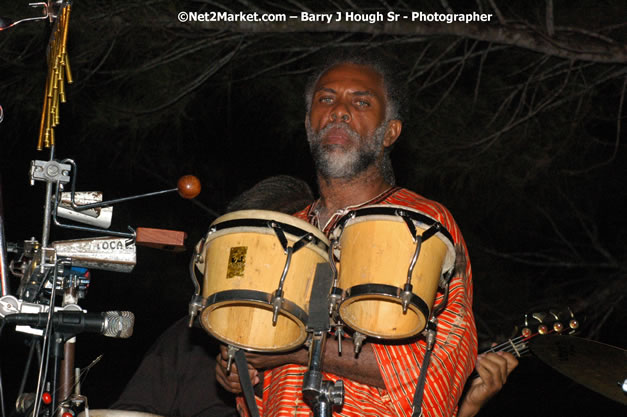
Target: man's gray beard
<point>346,164</point>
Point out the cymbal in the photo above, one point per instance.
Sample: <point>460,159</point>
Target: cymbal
<point>597,366</point>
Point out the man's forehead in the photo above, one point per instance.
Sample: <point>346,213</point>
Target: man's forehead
<point>359,77</point>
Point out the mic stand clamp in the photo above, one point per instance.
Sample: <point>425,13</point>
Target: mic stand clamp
<point>321,395</point>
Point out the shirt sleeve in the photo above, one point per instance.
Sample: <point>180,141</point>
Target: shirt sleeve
<point>453,356</point>
<point>177,377</point>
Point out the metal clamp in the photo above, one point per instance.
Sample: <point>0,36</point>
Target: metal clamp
<point>320,395</point>
<point>197,303</point>
<point>49,171</point>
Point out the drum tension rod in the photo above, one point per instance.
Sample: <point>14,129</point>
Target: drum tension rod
<point>230,353</point>
<point>408,288</point>
<point>335,297</point>
<point>358,341</point>
<point>277,296</point>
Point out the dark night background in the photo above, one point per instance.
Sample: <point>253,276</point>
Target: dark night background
<point>518,132</point>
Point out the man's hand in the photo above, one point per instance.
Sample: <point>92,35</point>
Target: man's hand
<point>272,360</point>
<point>256,362</point>
<point>231,382</point>
<point>493,370</point>
<point>363,369</point>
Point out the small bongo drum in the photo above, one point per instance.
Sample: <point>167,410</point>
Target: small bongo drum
<point>391,259</point>
<point>258,269</point>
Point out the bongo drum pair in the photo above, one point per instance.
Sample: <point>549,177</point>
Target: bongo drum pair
<point>259,267</point>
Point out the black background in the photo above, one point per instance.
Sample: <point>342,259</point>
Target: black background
<point>527,198</point>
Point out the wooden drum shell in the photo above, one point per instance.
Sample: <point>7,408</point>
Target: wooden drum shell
<point>375,253</point>
<point>239,310</point>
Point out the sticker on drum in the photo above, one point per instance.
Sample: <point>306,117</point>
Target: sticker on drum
<point>382,249</point>
<point>251,257</point>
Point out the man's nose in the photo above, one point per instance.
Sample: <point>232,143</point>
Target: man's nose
<point>340,113</point>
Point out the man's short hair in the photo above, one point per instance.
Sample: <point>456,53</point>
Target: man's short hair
<point>278,193</point>
<point>394,87</point>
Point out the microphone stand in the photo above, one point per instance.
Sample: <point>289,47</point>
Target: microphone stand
<point>320,395</point>
<point>4,270</point>
<point>66,383</point>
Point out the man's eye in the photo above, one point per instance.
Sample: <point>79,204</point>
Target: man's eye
<point>362,103</point>
<point>326,100</point>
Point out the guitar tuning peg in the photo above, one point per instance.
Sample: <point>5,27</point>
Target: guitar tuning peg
<point>542,329</point>
<point>555,314</point>
<point>526,332</point>
<point>539,316</point>
<point>573,324</point>
<point>558,327</point>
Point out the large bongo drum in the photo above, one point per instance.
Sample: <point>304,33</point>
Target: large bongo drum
<point>391,261</point>
<point>259,268</point>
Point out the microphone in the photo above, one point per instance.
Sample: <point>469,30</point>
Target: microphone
<point>109,323</point>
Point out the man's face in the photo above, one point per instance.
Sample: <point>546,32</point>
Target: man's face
<point>345,126</point>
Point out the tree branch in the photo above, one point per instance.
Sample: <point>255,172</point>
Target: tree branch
<point>584,50</point>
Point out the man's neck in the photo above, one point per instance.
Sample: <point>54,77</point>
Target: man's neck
<point>338,193</point>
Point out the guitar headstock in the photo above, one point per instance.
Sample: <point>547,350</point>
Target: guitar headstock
<point>555,320</point>
<point>552,321</point>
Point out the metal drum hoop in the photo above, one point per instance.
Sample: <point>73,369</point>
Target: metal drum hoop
<point>262,299</point>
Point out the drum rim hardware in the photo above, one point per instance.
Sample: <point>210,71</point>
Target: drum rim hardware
<point>416,304</point>
<point>400,211</point>
<point>263,224</point>
<point>261,299</point>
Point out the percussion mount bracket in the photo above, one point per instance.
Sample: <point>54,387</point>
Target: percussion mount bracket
<point>319,394</point>
<point>197,302</point>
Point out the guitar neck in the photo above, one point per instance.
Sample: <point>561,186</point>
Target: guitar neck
<point>517,346</point>
<point>555,321</point>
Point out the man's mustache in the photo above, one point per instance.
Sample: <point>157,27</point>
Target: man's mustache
<point>337,125</point>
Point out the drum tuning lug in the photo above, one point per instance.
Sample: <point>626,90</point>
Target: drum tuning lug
<point>277,303</point>
<point>339,333</point>
<point>406,297</point>
<point>334,301</point>
<point>230,356</point>
<point>195,306</point>
<point>358,340</point>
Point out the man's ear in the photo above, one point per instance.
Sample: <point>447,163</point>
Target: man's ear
<point>392,132</point>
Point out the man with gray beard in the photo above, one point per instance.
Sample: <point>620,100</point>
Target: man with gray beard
<point>350,163</point>
<point>353,118</point>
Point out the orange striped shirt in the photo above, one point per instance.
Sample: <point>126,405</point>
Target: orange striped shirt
<point>452,359</point>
